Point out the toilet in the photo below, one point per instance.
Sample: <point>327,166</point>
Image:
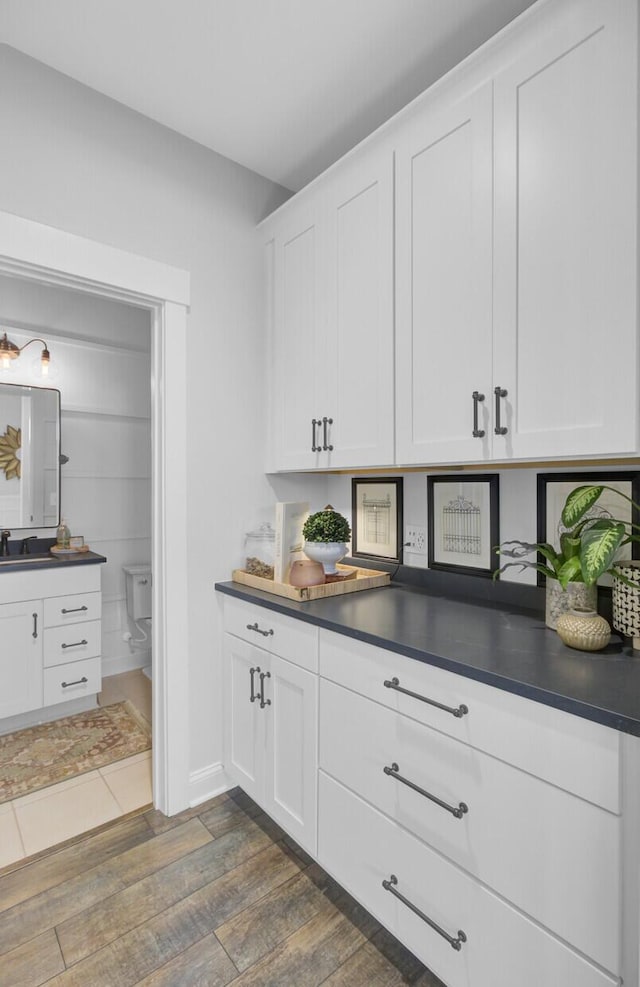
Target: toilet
<point>138,595</point>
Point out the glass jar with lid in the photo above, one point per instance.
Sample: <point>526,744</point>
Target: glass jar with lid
<point>260,547</point>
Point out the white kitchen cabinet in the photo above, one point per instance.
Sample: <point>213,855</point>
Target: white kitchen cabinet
<point>271,720</point>
<point>516,250</point>
<point>20,657</point>
<point>332,332</point>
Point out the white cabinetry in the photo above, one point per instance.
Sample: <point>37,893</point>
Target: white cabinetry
<point>50,627</point>
<point>516,249</point>
<point>332,387</point>
<point>271,716</point>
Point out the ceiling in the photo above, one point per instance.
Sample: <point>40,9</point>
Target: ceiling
<point>284,87</point>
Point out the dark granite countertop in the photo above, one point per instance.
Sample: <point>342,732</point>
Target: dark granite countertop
<point>41,561</point>
<point>503,645</point>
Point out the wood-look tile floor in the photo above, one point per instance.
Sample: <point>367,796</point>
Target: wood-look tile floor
<point>216,895</point>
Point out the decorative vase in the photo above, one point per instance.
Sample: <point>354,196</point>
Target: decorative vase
<point>327,552</point>
<point>559,600</point>
<point>584,629</point>
<point>626,600</point>
<point>305,572</point>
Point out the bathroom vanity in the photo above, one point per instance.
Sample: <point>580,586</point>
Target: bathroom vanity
<point>50,634</point>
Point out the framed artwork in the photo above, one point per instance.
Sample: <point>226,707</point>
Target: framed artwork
<point>463,523</point>
<point>376,519</point>
<point>553,489</point>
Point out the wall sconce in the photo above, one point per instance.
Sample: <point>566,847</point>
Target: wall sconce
<point>9,351</point>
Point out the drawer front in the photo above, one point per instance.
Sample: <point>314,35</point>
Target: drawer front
<point>291,639</point>
<point>505,824</point>
<point>67,644</point>
<point>568,751</point>
<point>61,610</point>
<point>72,681</point>
<point>362,848</point>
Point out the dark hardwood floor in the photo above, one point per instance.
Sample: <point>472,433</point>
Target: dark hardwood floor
<point>217,895</point>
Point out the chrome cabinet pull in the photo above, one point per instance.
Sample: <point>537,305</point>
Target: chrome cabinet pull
<point>75,610</point>
<point>456,711</point>
<point>76,644</point>
<point>478,433</point>
<point>258,630</point>
<point>456,944</point>
<point>326,421</point>
<point>264,702</point>
<point>499,392</point>
<point>35,625</point>
<point>314,447</point>
<point>252,672</point>
<point>457,811</point>
<point>65,685</point>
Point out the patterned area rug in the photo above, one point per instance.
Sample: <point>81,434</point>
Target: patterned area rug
<point>51,752</point>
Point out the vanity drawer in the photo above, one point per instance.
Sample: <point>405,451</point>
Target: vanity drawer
<point>71,644</point>
<point>60,610</point>
<point>573,753</point>
<point>503,948</point>
<point>284,636</point>
<point>513,821</point>
<point>72,681</point>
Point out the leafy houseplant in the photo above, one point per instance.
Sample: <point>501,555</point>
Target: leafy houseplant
<point>326,534</point>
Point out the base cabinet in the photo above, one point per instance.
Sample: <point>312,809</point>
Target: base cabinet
<point>20,657</point>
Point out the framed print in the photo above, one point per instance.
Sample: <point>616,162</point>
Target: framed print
<point>377,519</point>
<point>463,523</point>
<point>553,489</point>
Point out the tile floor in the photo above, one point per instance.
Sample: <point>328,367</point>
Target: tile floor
<point>44,818</point>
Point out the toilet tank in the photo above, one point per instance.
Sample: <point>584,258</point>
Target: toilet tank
<point>138,590</point>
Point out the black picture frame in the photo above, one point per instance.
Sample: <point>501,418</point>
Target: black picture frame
<point>376,520</point>
<point>464,523</point>
<point>548,512</point>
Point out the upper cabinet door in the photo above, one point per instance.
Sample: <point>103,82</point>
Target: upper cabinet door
<point>443,283</point>
<point>298,320</point>
<point>357,347</point>
<point>566,346</point>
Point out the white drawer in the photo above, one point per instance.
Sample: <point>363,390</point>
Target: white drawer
<point>537,845</point>
<point>285,636</point>
<point>72,681</point>
<point>573,753</point>
<point>73,643</point>
<point>362,848</point>
<point>60,610</point>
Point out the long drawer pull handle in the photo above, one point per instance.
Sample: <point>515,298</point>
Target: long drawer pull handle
<point>75,610</point>
<point>82,681</point>
<point>456,711</point>
<point>76,644</point>
<point>478,433</point>
<point>457,811</point>
<point>314,447</point>
<point>454,943</point>
<point>35,625</point>
<point>499,392</point>
<point>258,630</point>
<point>264,702</point>
<point>253,696</point>
<point>326,421</point>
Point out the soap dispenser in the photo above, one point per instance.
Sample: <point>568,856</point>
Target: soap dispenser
<point>63,534</point>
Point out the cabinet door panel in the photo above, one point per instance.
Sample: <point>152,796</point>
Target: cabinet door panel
<point>292,750</point>
<point>443,279</point>
<point>358,361</point>
<point>20,657</point>
<point>245,723</point>
<point>565,239</point>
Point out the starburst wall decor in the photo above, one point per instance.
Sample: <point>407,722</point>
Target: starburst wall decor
<point>10,442</point>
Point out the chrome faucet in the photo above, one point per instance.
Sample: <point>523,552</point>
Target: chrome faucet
<point>4,542</point>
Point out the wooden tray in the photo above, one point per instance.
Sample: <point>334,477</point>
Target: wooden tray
<point>353,580</point>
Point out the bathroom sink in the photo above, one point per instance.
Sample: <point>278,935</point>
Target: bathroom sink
<point>24,559</point>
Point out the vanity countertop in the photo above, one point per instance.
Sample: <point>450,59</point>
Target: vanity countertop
<point>19,563</point>
<point>503,646</point>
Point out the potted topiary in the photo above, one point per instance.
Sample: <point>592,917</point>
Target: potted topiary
<point>587,550</point>
<point>326,534</point>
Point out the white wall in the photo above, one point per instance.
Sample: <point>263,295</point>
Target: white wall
<point>83,163</point>
<point>100,363</point>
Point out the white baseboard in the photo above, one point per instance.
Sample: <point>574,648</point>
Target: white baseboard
<point>115,664</point>
<point>207,782</point>
<point>47,714</point>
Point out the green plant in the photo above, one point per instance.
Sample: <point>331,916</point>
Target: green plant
<point>326,526</point>
<point>587,547</point>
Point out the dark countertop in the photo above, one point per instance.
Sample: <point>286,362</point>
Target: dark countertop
<point>39,561</point>
<point>504,646</point>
